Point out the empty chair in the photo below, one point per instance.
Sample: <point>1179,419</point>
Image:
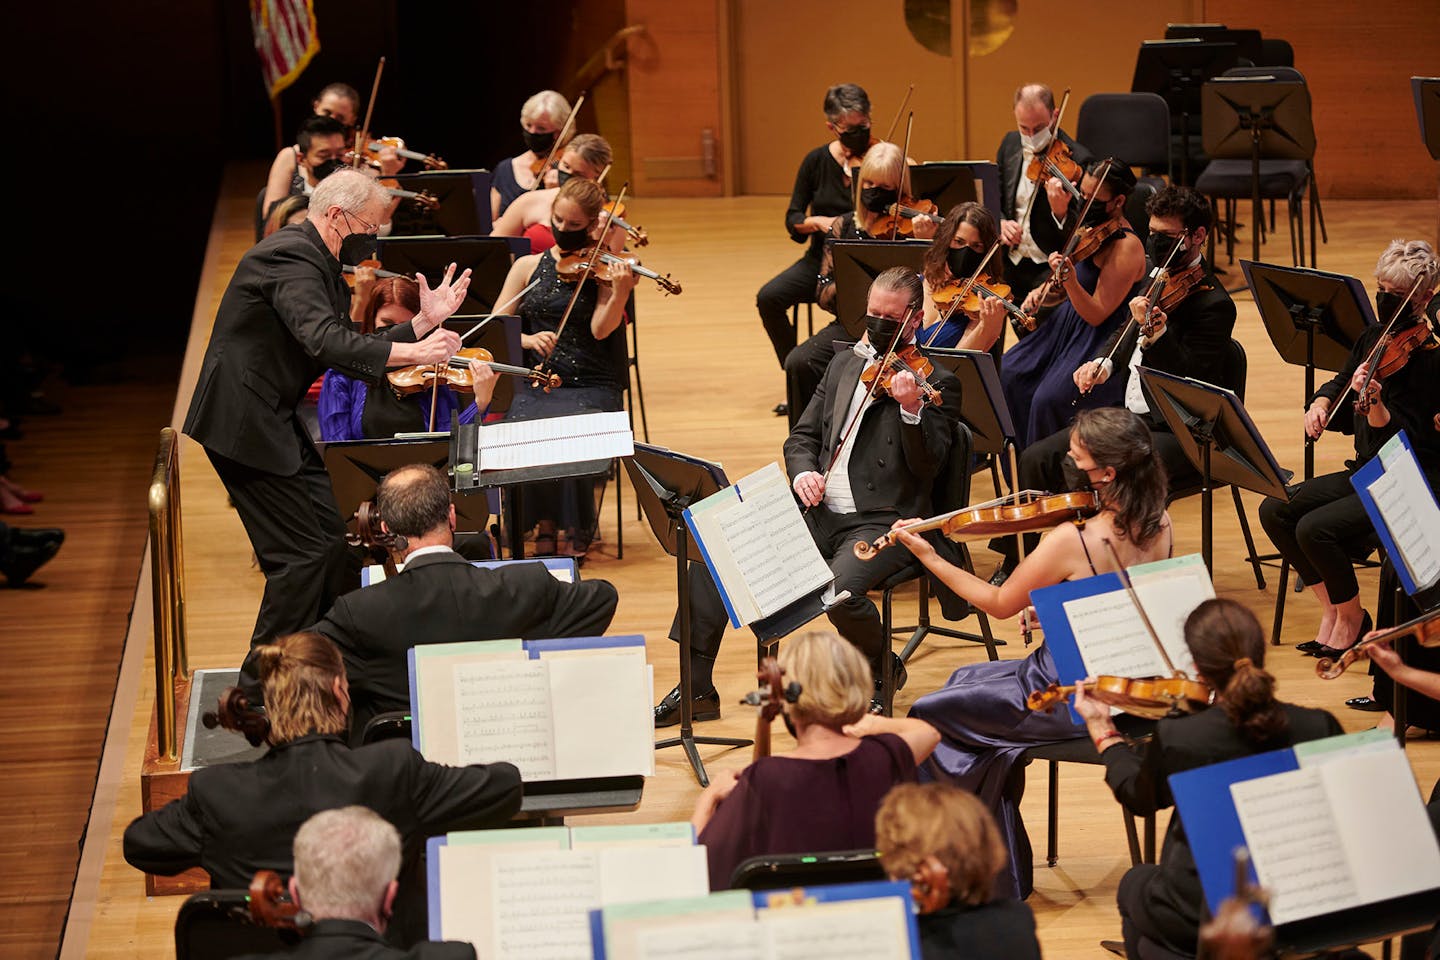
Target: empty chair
<point>1134,127</point>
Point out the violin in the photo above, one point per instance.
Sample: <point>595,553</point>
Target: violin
<point>899,218</point>
<point>1082,243</point>
<point>420,197</point>
<point>1056,160</point>
<point>373,148</point>
<point>907,358</point>
<point>270,904</point>
<point>1372,359</point>
<point>995,519</point>
<point>1152,697</point>
<point>574,264</point>
<point>613,213</point>
<point>771,698</point>
<point>380,273</point>
<point>1236,933</point>
<point>408,381</point>
<point>984,287</point>
<point>1398,349</point>
<point>1425,629</point>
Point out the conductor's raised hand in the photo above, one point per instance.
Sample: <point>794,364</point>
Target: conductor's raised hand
<point>810,488</point>
<point>439,304</point>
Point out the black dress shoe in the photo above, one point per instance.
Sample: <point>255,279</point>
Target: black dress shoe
<point>1314,648</point>
<point>1322,651</point>
<point>1116,947</point>
<point>1309,647</point>
<point>36,536</point>
<point>1365,704</point>
<point>782,409</point>
<point>703,706</point>
<point>25,559</point>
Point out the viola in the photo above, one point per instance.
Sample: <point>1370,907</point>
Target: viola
<point>906,359</point>
<point>995,519</point>
<point>899,218</point>
<point>1055,161</point>
<point>930,886</point>
<point>971,294</point>
<point>408,381</point>
<point>1178,286</point>
<point>574,264</point>
<point>1236,933</point>
<point>420,197</point>
<point>614,212</point>
<point>1084,243</point>
<point>270,904</point>
<point>771,698</point>
<point>1152,697</point>
<point>1425,629</point>
<point>376,144</point>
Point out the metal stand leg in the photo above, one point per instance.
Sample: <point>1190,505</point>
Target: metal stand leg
<point>1283,589</point>
<point>1253,557</point>
<point>1052,844</point>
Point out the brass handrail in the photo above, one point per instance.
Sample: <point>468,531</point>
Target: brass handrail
<point>167,589</point>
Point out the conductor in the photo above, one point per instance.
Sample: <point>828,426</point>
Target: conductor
<point>282,322</point>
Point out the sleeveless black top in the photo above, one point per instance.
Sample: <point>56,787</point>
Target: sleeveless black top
<point>579,359</point>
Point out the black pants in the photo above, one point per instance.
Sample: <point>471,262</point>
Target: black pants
<point>299,540</point>
<point>1151,925</point>
<point>1040,469</point>
<point>856,618</point>
<point>795,284</point>
<point>805,367</point>
<point>1319,530</point>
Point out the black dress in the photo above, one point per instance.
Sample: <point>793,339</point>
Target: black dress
<point>998,930</point>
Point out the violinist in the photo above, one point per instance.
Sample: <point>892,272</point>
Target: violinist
<point>1026,264</point>
<point>1036,375</point>
<point>590,364</point>
<point>960,244</point>
<point>1161,904</point>
<point>237,818</point>
<point>338,101</point>
<point>857,465</point>
<point>822,193</point>
<point>351,408</point>
<point>1323,524</point>
<point>1189,340</point>
<point>287,213</point>
<point>585,156</point>
<point>541,118</point>
<point>884,178</point>
<point>981,713</point>
<point>319,151</point>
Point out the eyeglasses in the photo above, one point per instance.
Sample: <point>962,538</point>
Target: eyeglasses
<point>369,227</point>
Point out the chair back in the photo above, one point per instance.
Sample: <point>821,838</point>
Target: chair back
<point>1135,212</point>
<point>1236,368</point>
<point>1275,52</point>
<point>806,870</point>
<point>216,925</point>
<point>1132,126</point>
<point>394,725</point>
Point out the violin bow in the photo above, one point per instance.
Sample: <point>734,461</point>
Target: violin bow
<point>900,113</point>
<point>1379,349</point>
<point>964,290</point>
<point>553,157</point>
<point>1074,237</point>
<point>904,176</point>
<point>362,136</point>
<point>1124,576</point>
<point>585,274</point>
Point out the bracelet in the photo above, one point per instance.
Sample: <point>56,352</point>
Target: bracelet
<point>1111,734</point>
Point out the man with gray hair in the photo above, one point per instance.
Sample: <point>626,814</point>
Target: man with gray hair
<point>346,864</point>
<point>282,322</point>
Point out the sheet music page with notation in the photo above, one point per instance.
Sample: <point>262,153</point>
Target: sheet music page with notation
<point>512,445</point>
<point>702,941</point>
<point>1406,503</point>
<point>502,712</point>
<point>1111,636</point>
<point>845,930</point>
<point>541,904</point>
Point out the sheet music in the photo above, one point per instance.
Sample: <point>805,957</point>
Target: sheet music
<point>1295,843</point>
<point>638,874</point>
<point>502,711</point>
<point>1408,508</point>
<point>846,930</point>
<point>603,722</point>
<point>701,941</point>
<point>1112,637</point>
<point>541,904</point>
<point>512,445</point>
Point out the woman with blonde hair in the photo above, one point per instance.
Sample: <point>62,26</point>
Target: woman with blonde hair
<point>947,832</point>
<point>585,157</point>
<point>237,818</point>
<point>823,794</point>
<point>541,119</point>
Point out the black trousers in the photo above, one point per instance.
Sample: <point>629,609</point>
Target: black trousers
<point>856,619</point>
<point>1040,469</point>
<point>1319,531</point>
<point>795,284</point>
<point>805,367</point>
<point>298,536</point>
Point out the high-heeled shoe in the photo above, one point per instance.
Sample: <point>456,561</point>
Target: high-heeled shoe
<point>1322,650</point>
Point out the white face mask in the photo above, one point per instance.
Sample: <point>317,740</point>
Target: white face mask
<point>1036,141</point>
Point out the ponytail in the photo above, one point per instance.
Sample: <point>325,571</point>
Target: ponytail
<point>1249,702</point>
<point>298,673</point>
<point>1229,649</point>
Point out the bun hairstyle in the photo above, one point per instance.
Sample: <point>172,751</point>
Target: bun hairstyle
<point>1229,649</point>
<point>298,673</point>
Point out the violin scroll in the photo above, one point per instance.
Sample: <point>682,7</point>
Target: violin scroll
<point>233,712</point>
<point>930,886</point>
<point>771,698</point>
<point>271,906</point>
<point>1425,629</point>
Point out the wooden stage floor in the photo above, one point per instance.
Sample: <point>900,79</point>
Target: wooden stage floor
<point>710,380</point>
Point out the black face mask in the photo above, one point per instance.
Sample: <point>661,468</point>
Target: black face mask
<point>1075,478</point>
<point>962,262</point>
<point>1159,246</point>
<point>324,168</point>
<point>856,140</point>
<point>1387,303</point>
<point>568,240</point>
<point>1096,215</point>
<point>878,199</point>
<point>538,143</point>
<point>561,176</point>
<point>882,331</point>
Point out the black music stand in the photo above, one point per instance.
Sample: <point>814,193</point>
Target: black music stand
<point>1255,116</point>
<point>1247,41</point>
<point>464,203</point>
<point>982,404</point>
<point>356,468</point>
<point>501,336</point>
<point>956,181</point>
<point>487,258</point>
<point>1176,70</point>
<point>1313,318</point>
<point>1427,114</point>
<point>1210,420</point>
<point>856,265</point>
<point>667,484</point>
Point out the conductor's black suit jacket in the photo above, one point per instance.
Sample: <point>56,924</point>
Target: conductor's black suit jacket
<point>281,323</point>
<point>442,598</point>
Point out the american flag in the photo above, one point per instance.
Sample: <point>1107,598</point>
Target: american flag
<point>285,39</point>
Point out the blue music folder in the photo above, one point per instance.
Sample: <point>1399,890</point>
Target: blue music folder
<point>1397,454</point>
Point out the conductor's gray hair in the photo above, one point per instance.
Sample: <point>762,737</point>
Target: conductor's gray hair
<point>350,190</point>
<point>1405,261</point>
<point>344,860</point>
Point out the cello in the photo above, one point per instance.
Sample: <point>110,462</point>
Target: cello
<point>771,698</point>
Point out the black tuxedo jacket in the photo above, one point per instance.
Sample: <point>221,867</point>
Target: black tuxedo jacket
<point>1009,158</point>
<point>893,464</point>
<point>1139,777</point>
<point>281,323</point>
<point>442,598</point>
<point>353,940</point>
